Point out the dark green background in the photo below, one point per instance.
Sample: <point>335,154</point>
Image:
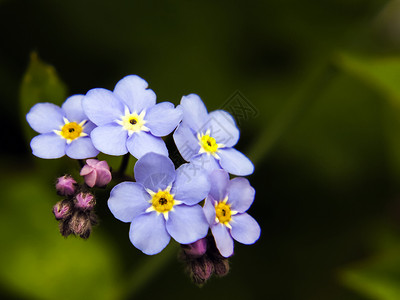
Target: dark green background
<point>324,78</point>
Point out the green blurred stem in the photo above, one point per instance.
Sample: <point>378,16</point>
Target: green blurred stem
<point>308,90</point>
<point>148,270</point>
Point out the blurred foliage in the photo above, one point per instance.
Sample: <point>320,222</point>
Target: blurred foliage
<point>34,263</point>
<point>40,82</point>
<point>324,77</point>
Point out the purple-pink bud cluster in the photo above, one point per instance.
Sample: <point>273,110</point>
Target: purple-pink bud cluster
<point>75,213</point>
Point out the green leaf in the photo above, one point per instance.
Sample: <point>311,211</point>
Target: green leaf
<point>39,84</point>
<point>378,278</point>
<point>381,73</point>
<point>36,261</point>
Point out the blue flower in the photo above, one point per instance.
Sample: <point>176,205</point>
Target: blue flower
<point>128,118</point>
<point>162,203</point>
<point>207,139</point>
<point>62,130</point>
<point>225,209</point>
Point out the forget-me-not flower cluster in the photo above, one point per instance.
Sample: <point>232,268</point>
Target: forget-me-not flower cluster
<point>195,204</point>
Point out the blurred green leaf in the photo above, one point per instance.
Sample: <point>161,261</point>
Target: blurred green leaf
<point>381,73</point>
<point>378,277</point>
<point>39,84</point>
<point>39,263</point>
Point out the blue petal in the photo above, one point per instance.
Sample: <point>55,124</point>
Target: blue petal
<point>154,171</point>
<point>235,162</point>
<point>223,239</point>
<point>191,184</point>
<point>148,233</point>
<point>134,93</point>
<point>209,209</point>
<point>48,145</point>
<point>88,127</point>
<point>128,200</point>
<point>208,162</point>
<point>110,139</point>
<point>163,118</point>
<point>245,229</point>
<point>194,112</point>
<point>219,182</point>
<point>140,143</point>
<point>45,117</point>
<point>102,107</point>
<point>240,194</point>
<point>81,148</point>
<point>223,128</point>
<point>187,224</point>
<point>73,109</point>
<point>186,142</point>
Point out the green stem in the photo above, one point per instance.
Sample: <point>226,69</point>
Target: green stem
<point>292,110</point>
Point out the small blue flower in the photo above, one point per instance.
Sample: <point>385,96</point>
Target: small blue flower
<point>128,118</point>
<point>62,130</point>
<point>162,203</point>
<point>207,139</point>
<point>225,209</point>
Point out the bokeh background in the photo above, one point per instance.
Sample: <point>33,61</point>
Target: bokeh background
<point>315,88</point>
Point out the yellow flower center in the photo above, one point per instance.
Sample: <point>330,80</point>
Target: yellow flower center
<point>133,122</point>
<point>209,144</point>
<point>223,212</point>
<point>71,131</point>
<point>163,201</point>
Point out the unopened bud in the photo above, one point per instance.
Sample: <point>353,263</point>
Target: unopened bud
<point>66,185</point>
<point>80,224</point>
<point>84,201</point>
<point>65,228</point>
<point>62,209</point>
<point>201,270</point>
<point>221,267</point>
<point>96,173</point>
<point>196,249</point>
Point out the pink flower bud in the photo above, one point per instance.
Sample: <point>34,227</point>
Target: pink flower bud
<point>66,185</point>
<point>85,201</point>
<point>196,249</point>
<point>96,173</point>
<point>62,210</point>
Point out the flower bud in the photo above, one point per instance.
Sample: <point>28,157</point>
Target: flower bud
<point>66,185</point>
<point>201,270</point>
<point>62,210</point>
<point>96,173</point>
<point>221,267</point>
<point>196,249</point>
<point>65,228</point>
<point>80,224</point>
<point>84,201</point>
